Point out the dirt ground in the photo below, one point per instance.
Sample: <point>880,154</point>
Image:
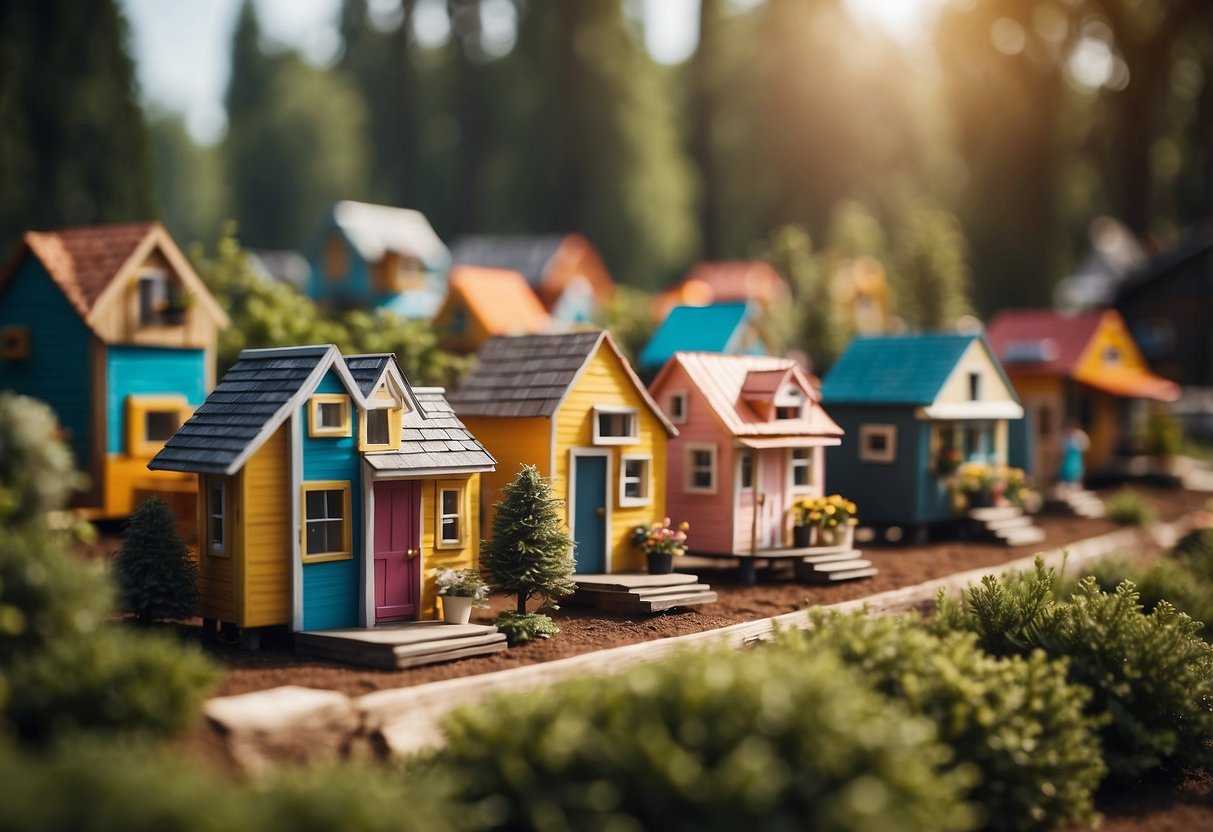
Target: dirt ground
<point>587,630</point>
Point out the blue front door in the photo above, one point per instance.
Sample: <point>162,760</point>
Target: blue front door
<point>589,513</point>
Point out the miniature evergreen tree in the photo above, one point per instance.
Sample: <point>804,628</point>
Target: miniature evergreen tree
<point>156,576</point>
<point>531,554</point>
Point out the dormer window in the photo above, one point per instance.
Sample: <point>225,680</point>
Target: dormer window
<point>615,426</point>
<point>380,429</point>
<point>160,300</point>
<point>789,403</point>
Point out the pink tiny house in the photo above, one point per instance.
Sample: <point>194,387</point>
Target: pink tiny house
<point>751,439</point>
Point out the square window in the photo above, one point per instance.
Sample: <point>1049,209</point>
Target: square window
<point>329,415</point>
<point>14,343</point>
<point>615,426</point>
<point>160,425</point>
<point>326,530</point>
<point>634,480</point>
<point>877,443</point>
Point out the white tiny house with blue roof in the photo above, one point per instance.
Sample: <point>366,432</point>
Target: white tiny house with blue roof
<point>913,406</point>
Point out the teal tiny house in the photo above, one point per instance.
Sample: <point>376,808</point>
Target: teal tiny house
<point>914,407</point>
<point>110,325</point>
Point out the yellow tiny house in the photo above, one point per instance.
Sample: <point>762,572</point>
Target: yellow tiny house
<point>571,405</point>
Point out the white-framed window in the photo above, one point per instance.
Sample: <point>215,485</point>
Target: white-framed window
<point>328,415</point>
<point>745,471</point>
<point>216,514</point>
<point>635,480</point>
<point>615,425</point>
<point>326,527</point>
<point>676,407</point>
<point>800,467</point>
<point>700,469</point>
<point>451,515</point>
<point>877,443</point>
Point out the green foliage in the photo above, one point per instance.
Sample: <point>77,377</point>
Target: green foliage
<point>37,474</point>
<point>157,578</point>
<point>629,317</point>
<point>1150,673</point>
<point>191,190</point>
<point>1164,434</point>
<point>930,275</point>
<point>1129,508</point>
<point>1015,719</point>
<point>1176,581</point>
<point>519,628</point>
<point>530,554</point>
<point>142,788</point>
<point>708,740</point>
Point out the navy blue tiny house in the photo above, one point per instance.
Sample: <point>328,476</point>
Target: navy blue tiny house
<point>914,407</point>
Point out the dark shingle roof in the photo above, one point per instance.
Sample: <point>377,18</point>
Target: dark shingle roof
<point>433,439</point>
<point>528,254</point>
<point>253,397</point>
<point>526,376</point>
<point>894,369</point>
<point>368,369</point>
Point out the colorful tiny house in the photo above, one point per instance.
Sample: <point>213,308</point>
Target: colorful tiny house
<point>486,302</point>
<point>730,328</point>
<point>571,405</point>
<point>914,407</point>
<point>111,326</point>
<point>751,440</point>
<point>564,270</point>
<point>1084,367</point>
<point>329,489</point>
<point>375,256</point>
<point>725,281</point>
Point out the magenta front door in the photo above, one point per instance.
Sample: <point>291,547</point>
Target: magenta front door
<point>397,550</point>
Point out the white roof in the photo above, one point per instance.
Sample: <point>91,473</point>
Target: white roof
<point>375,230</point>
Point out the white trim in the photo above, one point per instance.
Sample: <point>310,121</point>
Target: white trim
<point>889,432</point>
<point>688,469</point>
<point>960,411</point>
<point>366,577</point>
<point>574,455</point>
<point>630,438</point>
<point>461,514</point>
<point>220,551</point>
<point>686,405</point>
<point>809,487</point>
<point>419,473</point>
<point>296,469</point>
<point>647,481</point>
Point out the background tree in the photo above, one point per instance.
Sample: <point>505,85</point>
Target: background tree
<point>157,578</point>
<point>74,149</point>
<point>530,554</point>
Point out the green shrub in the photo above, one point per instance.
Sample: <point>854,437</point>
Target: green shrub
<point>1016,719</point>
<point>708,740</point>
<point>1150,673</point>
<point>157,578</point>
<point>1167,580</point>
<point>88,787</point>
<point>519,629</point>
<point>1130,509</point>
<point>1195,551</point>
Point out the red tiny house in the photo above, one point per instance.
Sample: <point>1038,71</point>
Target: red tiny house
<point>397,548</point>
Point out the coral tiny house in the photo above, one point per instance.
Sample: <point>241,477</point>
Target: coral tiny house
<point>486,302</point>
<point>110,325</point>
<point>1084,367</point>
<point>915,407</point>
<point>330,489</point>
<point>571,405</point>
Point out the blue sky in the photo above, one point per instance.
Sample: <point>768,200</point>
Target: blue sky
<point>181,48</point>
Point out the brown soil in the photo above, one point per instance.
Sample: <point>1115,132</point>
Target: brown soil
<point>587,630</point>
<point>1159,806</point>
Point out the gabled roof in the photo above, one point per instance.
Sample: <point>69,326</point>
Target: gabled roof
<point>368,370</point>
<point>1043,340</point>
<point>529,255</point>
<point>531,376</point>
<point>726,281</point>
<point>84,262</point>
<point>375,230</point>
<point>722,378</point>
<point>896,369</point>
<point>500,299</point>
<point>434,439</point>
<point>695,329</point>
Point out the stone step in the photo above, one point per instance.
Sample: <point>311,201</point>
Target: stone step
<point>848,575</point>
<point>627,582</point>
<point>591,592</point>
<point>623,604</point>
<point>1022,537</point>
<point>840,566</point>
<point>983,515</point>
<point>831,557</point>
<point>400,647</point>
<point>1010,523</point>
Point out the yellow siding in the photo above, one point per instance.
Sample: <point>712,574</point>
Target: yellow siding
<point>512,442</point>
<point>466,556</point>
<point>216,575</point>
<point>1111,332</point>
<point>605,382</point>
<point>125,476</point>
<point>265,539</point>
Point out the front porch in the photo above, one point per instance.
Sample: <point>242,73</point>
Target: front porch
<point>400,645</point>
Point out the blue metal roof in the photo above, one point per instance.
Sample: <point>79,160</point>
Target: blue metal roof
<point>894,369</point>
<point>694,329</point>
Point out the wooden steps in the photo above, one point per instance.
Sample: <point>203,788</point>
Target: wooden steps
<point>832,566</point>
<point>1081,503</point>
<point>394,647</point>
<point>638,594</point>
<point>1006,524</point>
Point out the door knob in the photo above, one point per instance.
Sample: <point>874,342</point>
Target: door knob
<point>600,511</point>
<point>411,553</point>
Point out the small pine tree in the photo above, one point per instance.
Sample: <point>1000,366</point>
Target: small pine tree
<point>531,554</point>
<point>156,576</point>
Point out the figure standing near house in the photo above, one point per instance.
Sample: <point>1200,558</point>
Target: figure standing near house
<point>1074,444</point>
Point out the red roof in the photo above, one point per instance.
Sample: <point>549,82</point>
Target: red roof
<point>83,261</point>
<point>1042,340</point>
<point>725,281</point>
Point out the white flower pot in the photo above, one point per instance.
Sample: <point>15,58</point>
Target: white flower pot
<point>842,537</point>
<point>456,609</point>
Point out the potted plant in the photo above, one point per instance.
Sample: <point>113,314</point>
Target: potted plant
<point>980,484</point>
<point>823,521</point>
<point>661,544</point>
<point>461,589</point>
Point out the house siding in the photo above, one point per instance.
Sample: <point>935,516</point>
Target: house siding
<point>512,442</point>
<point>149,371</point>
<point>465,556</point>
<point>267,545</point>
<point>331,589</point>
<point>217,574</point>
<point>885,493</point>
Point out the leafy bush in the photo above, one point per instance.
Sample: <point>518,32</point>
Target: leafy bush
<point>1150,673</point>
<point>1128,508</point>
<point>1195,551</point>
<point>1016,719</point>
<point>711,740</point>
<point>1167,580</point>
<point>142,789</point>
<point>524,627</point>
<point>157,578</point>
